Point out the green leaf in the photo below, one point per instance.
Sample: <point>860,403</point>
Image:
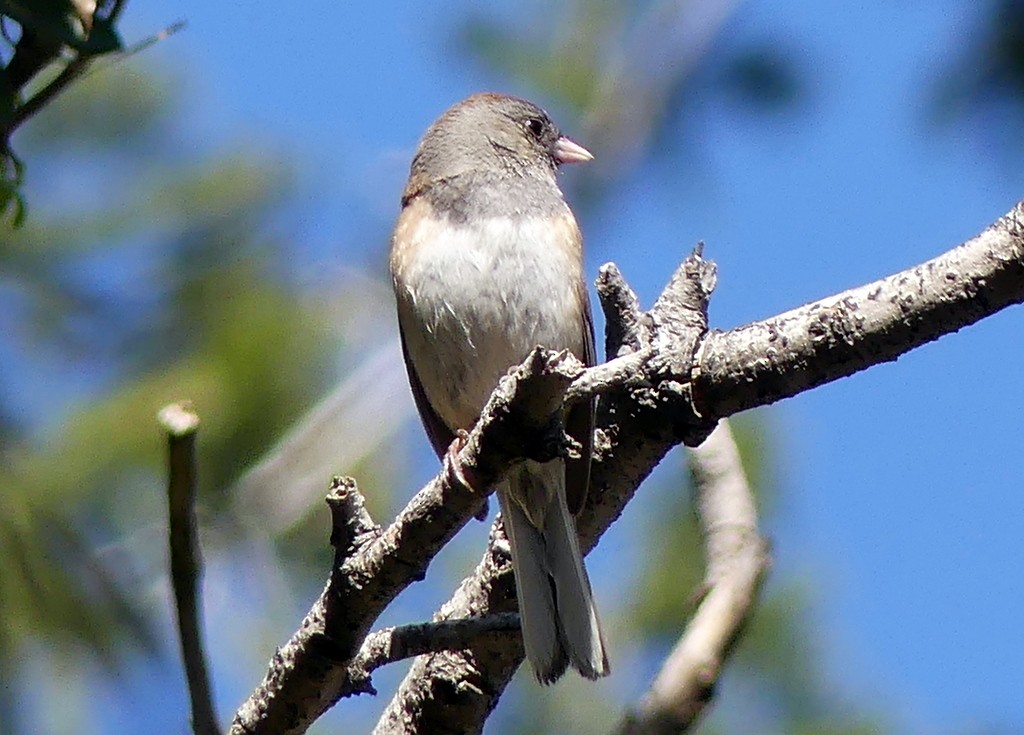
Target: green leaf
<point>12,203</point>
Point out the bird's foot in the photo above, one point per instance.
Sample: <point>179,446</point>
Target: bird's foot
<point>455,472</point>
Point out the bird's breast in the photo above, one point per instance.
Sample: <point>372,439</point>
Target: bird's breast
<point>475,298</point>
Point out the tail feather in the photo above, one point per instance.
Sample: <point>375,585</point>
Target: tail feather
<point>556,608</point>
<point>578,623</point>
<point>535,591</point>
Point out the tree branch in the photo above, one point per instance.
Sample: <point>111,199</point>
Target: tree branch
<point>372,566</point>
<point>406,641</point>
<point>671,382</point>
<point>72,71</point>
<point>35,51</point>
<point>737,560</point>
<point>776,358</point>
<point>181,424</point>
<point>641,421</point>
<point>455,691</point>
<point>468,681</point>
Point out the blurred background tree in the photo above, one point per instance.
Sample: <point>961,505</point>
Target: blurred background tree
<point>136,280</point>
<point>153,267</point>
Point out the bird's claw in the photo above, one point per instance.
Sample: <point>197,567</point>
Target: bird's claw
<point>456,473</point>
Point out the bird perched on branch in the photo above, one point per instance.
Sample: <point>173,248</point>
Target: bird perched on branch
<point>487,263</point>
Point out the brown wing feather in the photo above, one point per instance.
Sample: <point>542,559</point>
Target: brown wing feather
<point>579,424</point>
<point>439,434</point>
<point>414,216</point>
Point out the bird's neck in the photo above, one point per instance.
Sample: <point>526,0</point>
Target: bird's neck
<point>475,195</point>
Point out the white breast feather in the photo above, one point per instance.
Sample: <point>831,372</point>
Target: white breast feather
<point>479,310</point>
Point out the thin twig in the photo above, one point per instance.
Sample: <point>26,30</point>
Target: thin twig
<point>145,43</point>
<point>40,99</point>
<point>76,69</point>
<point>389,645</point>
<point>181,424</point>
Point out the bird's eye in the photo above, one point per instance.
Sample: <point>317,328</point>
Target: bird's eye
<point>535,127</point>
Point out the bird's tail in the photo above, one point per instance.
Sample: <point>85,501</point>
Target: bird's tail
<point>556,607</point>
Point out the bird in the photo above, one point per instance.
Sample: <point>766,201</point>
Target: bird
<point>487,263</point>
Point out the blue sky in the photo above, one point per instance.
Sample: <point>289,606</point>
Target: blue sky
<point>903,487</point>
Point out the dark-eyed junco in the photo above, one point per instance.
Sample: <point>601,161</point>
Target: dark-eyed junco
<point>487,263</point>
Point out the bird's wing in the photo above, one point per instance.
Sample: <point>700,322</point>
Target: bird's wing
<point>579,424</point>
<point>439,434</point>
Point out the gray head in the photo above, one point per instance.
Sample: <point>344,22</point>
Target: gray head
<point>491,134</point>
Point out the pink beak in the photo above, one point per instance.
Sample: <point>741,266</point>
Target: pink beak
<point>568,152</point>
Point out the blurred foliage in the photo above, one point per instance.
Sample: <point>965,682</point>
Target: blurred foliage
<point>146,277</point>
<point>632,72</point>
<point>148,273</point>
<point>984,78</point>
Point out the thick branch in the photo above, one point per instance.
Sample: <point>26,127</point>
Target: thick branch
<point>776,358</point>
<point>310,672</point>
<point>452,692</point>
<point>671,382</point>
<point>627,328</point>
<point>656,407</point>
